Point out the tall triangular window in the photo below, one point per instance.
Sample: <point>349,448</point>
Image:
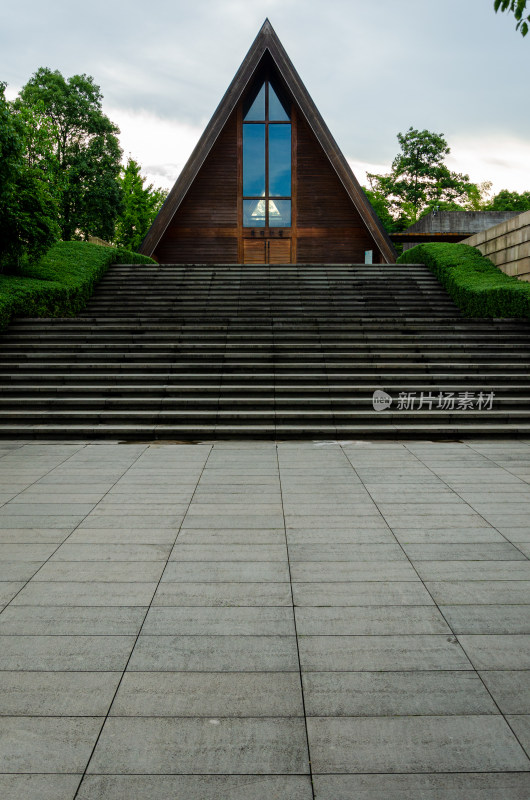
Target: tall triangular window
<point>266,159</point>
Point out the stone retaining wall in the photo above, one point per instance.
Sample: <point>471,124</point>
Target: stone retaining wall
<point>507,245</point>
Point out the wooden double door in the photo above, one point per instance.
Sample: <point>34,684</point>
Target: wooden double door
<point>266,250</point>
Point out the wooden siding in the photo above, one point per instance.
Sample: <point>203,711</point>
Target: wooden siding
<point>194,235</point>
<point>330,229</point>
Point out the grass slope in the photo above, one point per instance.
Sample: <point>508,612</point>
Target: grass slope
<point>61,283</point>
<point>475,284</point>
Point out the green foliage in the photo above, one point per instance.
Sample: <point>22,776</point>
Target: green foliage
<point>61,282</point>
<point>78,145</point>
<point>476,285</point>
<point>27,206</point>
<point>510,201</point>
<point>141,204</point>
<point>518,8</point>
<point>419,178</point>
<point>478,196</point>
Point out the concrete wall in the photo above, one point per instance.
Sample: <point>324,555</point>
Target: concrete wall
<point>459,221</point>
<point>507,245</point>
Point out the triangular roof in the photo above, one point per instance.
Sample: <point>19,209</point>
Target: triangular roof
<point>268,41</point>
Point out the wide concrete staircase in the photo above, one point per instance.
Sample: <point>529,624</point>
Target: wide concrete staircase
<point>190,352</point>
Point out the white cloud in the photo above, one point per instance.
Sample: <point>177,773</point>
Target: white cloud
<point>503,160</point>
<point>161,146</point>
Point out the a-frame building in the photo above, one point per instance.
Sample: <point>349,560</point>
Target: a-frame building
<point>267,182</point>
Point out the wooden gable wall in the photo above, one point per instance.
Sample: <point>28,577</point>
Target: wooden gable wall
<point>326,229</point>
<point>204,227</point>
<point>329,228</point>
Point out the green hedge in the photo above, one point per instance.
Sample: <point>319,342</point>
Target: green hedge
<point>61,283</point>
<point>476,285</point>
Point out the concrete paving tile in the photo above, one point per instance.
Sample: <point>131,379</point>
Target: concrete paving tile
<point>519,532</point>
<point>251,508</point>
<point>234,521</point>
<point>337,536</point>
<point>195,787</point>
<point>26,552</point>
<point>47,744</point>
<point>226,477</point>
<point>521,725</point>
<point>74,551</point>
<point>414,744</point>
<point>338,508</point>
<point>129,521</point>
<point>85,593</point>
<point>201,746</point>
<point>230,536</point>
<point>508,651</point>
<point>119,497</point>
<point>479,591</point>
<point>435,520</point>
<point>64,488</point>
<point>211,694</point>
<point>510,689</point>
<point>448,535</point>
<point>58,498</point>
<point>39,787</point>
<point>123,536</point>
<point>444,786</point>
<point>488,618</point>
<point>330,571</point>
<point>389,694</point>
<point>206,497</point>
<point>362,593</point>
<point>367,620</point>
<point>138,509</point>
<point>119,571</point>
<point>71,620</point>
<point>506,520</point>
<point>208,621</point>
<point>380,653</point>
<point>223,594</point>
<point>406,508</point>
<point>8,589</point>
<point>215,654</point>
<point>57,694</point>
<point>474,570</point>
<point>78,510</point>
<point>294,522</point>
<point>18,570</point>
<point>226,552</point>
<point>346,552</point>
<point>33,535</point>
<point>230,571</point>
<point>438,496</point>
<point>65,653</point>
<point>463,552</point>
<point>39,521</point>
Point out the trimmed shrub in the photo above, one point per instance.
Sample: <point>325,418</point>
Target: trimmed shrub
<point>61,283</point>
<point>475,284</point>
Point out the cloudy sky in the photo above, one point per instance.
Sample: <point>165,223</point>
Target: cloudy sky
<point>373,68</point>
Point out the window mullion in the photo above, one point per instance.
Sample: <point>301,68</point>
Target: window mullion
<point>266,154</point>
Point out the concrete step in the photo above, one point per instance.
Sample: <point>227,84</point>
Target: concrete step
<point>205,352</point>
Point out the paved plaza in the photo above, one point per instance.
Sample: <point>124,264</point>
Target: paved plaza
<point>262,621</point>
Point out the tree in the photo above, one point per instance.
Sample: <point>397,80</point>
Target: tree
<point>419,178</point>
<point>510,201</point>
<point>84,149</point>
<point>28,209</point>
<point>140,206</point>
<point>518,9</point>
